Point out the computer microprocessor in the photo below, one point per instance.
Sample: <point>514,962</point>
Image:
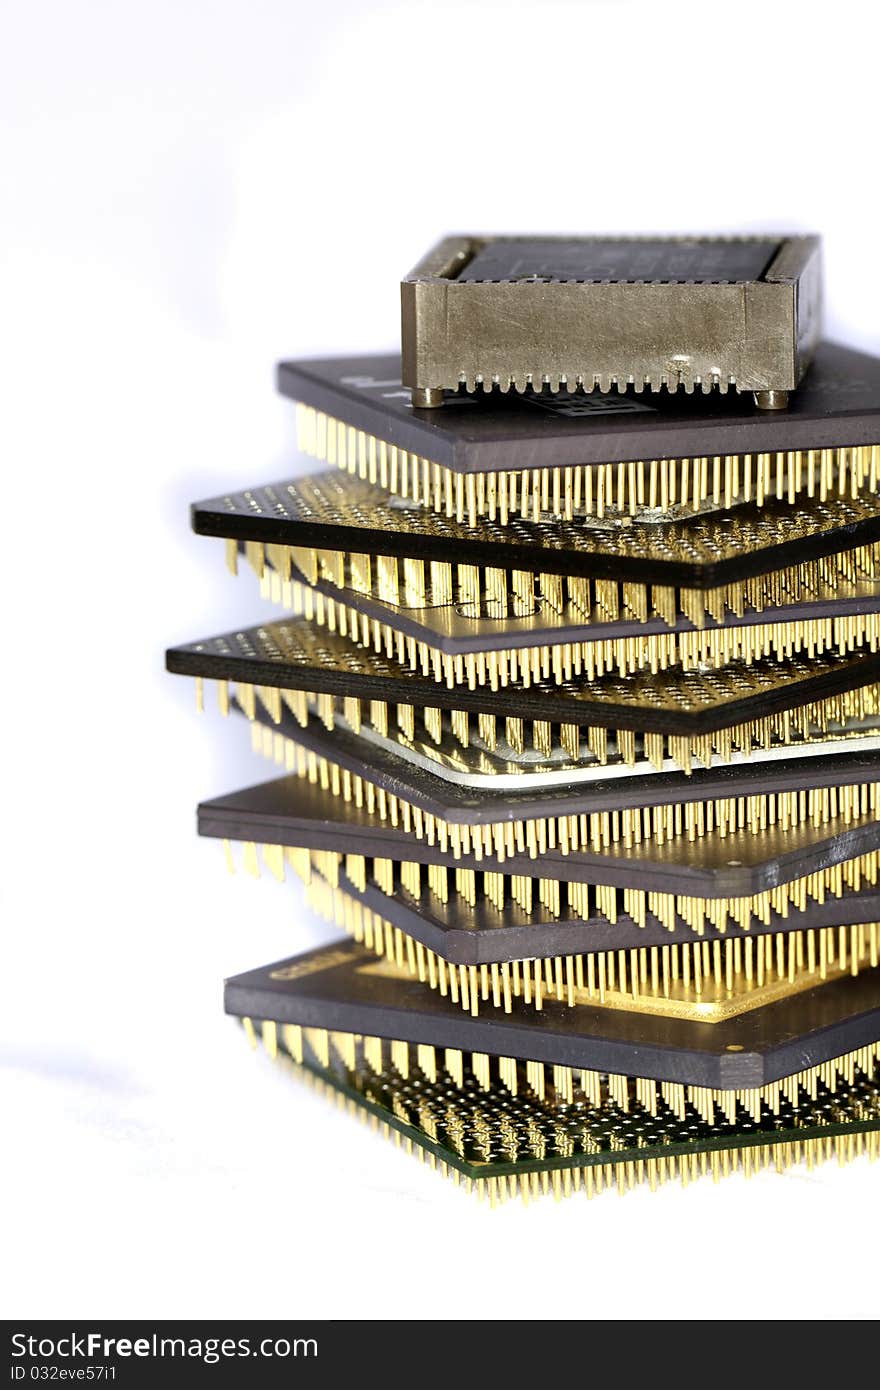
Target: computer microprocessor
<point>575,727</point>
<point>293,813</point>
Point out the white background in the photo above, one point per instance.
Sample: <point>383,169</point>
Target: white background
<point>189,192</point>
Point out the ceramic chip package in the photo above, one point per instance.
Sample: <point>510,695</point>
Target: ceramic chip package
<point>682,313</point>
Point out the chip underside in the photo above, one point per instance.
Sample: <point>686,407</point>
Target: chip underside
<point>515,917</point>
<point>344,988</point>
<point>556,725</point>
<point>333,512</point>
<point>501,1146</point>
<point>493,612</point>
<point>381,775</point>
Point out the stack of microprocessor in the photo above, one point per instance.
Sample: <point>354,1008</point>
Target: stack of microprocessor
<point>579,709</point>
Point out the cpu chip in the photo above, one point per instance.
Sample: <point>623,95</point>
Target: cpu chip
<point>586,313</point>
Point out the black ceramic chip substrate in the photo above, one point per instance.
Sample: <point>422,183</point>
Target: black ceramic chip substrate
<point>705,977</point>
<point>342,988</point>
<point>336,513</point>
<point>660,720</point>
<point>494,632</point>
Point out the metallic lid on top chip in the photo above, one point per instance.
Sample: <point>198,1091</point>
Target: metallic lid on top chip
<point>571,313</point>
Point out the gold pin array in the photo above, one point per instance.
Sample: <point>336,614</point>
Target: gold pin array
<point>619,1176</point>
<point>563,1086</point>
<point>553,898</point>
<point>564,661</point>
<point>479,590</point>
<point>851,715</point>
<point>704,981</point>
<point>612,491</point>
<point>594,831</point>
